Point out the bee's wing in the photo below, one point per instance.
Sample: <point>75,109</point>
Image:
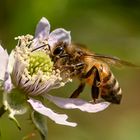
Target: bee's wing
<point>111,60</point>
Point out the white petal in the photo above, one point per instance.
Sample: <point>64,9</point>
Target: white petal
<point>8,86</point>
<point>58,118</point>
<point>59,36</point>
<point>11,62</point>
<point>42,29</point>
<point>3,62</point>
<point>69,103</point>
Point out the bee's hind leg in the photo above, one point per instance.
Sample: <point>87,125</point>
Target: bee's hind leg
<point>95,89</point>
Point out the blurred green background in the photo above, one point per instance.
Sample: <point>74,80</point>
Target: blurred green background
<point>107,27</point>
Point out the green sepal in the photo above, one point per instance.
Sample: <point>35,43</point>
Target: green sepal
<point>1,85</point>
<point>40,123</point>
<point>15,103</point>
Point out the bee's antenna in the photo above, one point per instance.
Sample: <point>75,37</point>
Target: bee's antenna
<point>42,47</point>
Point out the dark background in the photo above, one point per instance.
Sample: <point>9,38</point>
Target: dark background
<point>107,27</point>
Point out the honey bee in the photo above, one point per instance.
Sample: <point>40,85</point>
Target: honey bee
<point>90,68</point>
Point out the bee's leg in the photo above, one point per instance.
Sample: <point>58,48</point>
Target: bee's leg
<point>81,87</point>
<point>89,73</point>
<point>77,92</point>
<point>95,90</point>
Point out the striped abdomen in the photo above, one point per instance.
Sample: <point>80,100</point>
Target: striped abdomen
<point>110,89</point>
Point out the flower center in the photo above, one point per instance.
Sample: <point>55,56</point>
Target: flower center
<point>39,61</point>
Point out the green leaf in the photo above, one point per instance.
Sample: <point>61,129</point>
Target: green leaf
<point>40,123</point>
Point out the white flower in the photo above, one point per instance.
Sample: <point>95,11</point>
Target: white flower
<point>28,74</point>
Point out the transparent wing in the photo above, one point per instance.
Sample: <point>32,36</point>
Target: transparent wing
<point>112,60</point>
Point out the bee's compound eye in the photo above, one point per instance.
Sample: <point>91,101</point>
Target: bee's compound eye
<point>59,50</point>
